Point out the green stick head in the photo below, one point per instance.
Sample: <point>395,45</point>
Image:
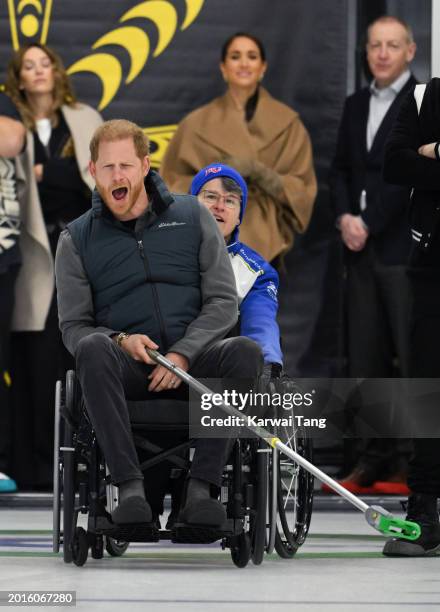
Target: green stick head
<point>389,525</point>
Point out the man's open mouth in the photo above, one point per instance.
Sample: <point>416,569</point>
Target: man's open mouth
<point>218,219</point>
<point>119,193</point>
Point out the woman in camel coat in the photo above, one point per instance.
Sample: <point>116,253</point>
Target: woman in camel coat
<point>262,138</point>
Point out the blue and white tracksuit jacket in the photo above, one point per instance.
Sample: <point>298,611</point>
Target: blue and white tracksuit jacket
<point>257,286</point>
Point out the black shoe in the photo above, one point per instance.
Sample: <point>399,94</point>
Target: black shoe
<point>422,509</point>
<point>134,509</point>
<point>206,512</point>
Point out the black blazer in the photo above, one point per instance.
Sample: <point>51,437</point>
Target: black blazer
<point>355,169</point>
<point>404,166</point>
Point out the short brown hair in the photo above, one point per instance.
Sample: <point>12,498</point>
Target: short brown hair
<point>119,129</point>
<point>392,19</point>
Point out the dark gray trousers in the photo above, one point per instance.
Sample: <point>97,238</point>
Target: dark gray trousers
<point>424,467</point>
<point>109,376</point>
<point>378,308</point>
<point>378,312</point>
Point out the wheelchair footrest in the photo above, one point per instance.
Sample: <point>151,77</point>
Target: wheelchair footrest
<point>131,532</point>
<point>182,533</point>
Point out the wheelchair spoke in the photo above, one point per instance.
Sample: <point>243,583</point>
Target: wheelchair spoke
<point>288,489</point>
<point>289,438</point>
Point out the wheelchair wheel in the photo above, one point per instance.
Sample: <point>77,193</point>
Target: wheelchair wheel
<point>295,499</point>
<point>114,547</point>
<point>68,494</point>
<point>258,521</point>
<point>69,472</point>
<point>272,501</point>
<point>57,472</point>
<point>80,547</point>
<point>241,550</point>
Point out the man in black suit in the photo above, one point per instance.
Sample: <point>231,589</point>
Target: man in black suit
<point>412,158</point>
<point>372,219</point>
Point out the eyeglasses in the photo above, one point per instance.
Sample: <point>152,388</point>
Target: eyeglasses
<point>212,197</point>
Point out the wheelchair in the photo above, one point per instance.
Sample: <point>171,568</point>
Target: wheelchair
<point>268,497</point>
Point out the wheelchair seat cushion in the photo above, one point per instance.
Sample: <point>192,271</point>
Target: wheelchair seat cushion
<point>159,413</point>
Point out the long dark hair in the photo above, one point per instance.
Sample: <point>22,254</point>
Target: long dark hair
<point>62,92</point>
<point>231,39</point>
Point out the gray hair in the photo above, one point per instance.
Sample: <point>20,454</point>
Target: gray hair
<point>391,19</point>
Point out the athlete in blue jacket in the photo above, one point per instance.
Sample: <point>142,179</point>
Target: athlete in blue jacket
<point>224,192</point>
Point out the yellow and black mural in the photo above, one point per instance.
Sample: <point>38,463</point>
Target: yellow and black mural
<point>153,61</point>
<point>30,20</point>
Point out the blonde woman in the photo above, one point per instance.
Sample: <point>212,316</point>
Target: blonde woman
<point>54,166</point>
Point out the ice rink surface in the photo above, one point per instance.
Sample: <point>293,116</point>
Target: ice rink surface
<point>339,568</point>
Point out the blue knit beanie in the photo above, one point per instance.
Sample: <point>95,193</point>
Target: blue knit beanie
<point>217,170</point>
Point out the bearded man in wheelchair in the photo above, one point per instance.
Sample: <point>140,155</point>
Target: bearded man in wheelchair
<point>147,269</point>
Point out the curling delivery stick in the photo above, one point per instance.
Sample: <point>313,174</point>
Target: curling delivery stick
<point>376,516</point>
